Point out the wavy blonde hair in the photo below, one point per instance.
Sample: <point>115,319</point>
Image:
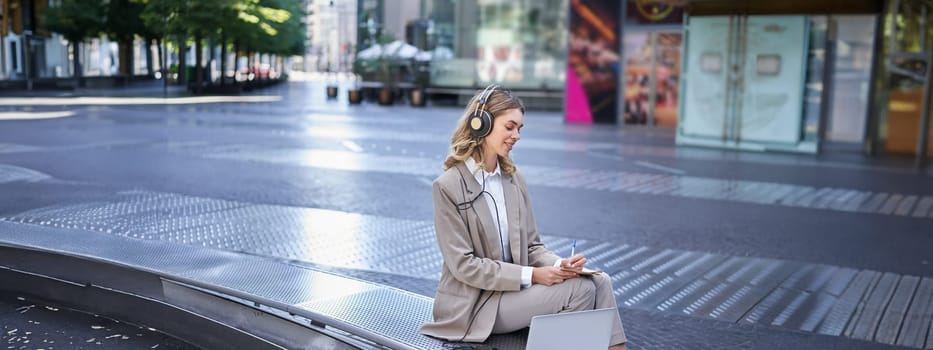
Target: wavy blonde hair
<point>464,145</point>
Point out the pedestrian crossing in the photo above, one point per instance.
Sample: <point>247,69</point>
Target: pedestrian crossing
<point>661,184</point>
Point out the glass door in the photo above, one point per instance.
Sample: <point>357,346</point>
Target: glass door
<point>905,101</point>
<point>852,57</point>
<point>773,53</point>
<point>708,74</point>
<point>909,41</point>
<point>744,82</point>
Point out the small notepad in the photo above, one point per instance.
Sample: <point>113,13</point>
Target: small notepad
<point>584,272</point>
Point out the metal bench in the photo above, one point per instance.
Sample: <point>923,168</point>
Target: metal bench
<point>213,298</point>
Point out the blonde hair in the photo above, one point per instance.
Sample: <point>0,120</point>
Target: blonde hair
<point>464,145</point>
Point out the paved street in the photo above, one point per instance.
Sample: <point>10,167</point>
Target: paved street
<point>707,248</point>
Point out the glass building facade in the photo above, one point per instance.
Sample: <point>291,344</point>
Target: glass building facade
<point>517,44</point>
<point>839,67</point>
<point>865,77</point>
<point>863,65</point>
<point>902,101</point>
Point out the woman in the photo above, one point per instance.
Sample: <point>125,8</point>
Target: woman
<point>497,274</point>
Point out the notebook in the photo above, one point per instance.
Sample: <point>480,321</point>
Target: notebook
<point>590,329</point>
<point>583,271</point>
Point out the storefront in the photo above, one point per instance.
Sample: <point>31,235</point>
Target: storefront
<point>518,44</point>
<point>624,62</point>
<point>744,82</point>
<point>795,76</point>
<point>652,40</point>
<point>904,97</point>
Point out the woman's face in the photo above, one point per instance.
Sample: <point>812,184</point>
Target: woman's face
<point>505,132</point>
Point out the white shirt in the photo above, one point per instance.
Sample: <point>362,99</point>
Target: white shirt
<point>492,183</point>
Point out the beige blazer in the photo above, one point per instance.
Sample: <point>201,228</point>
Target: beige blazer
<point>473,276</point>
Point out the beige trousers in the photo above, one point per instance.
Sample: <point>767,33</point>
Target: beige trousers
<point>576,294</point>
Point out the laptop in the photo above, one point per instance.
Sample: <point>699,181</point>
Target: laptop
<point>590,329</point>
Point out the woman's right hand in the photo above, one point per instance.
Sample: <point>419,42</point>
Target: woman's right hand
<point>550,275</point>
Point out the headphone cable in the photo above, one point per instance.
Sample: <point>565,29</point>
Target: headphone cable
<point>469,205</point>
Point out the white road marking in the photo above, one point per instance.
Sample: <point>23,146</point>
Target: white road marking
<point>661,167</point>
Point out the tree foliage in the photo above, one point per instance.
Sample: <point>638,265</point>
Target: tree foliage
<point>262,26</point>
<point>123,22</point>
<point>77,19</point>
<point>271,26</point>
<point>285,18</point>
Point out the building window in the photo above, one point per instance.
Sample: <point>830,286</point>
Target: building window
<point>13,56</point>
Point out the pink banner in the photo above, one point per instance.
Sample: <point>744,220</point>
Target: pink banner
<point>592,86</point>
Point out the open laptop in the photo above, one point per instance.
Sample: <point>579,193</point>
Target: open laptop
<point>585,330</point>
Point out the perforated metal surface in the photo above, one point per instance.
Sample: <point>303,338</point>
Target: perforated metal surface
<point>337,238</point>
<point>870,310</point>
<point>896,310</point>
<point>826,299</point>
<point>844,308</point>
<point>381,311</point>
<point>919,315</point>
<point>336,296</point>
<point>758,192</point>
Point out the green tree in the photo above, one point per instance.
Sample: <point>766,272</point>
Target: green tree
<point>168,19</point>
<point>76,20</point>
<point>290,33</point>
<point>269,26</point>
<point>285,33</point>
<point>122,25</point>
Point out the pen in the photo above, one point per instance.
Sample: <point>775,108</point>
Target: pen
<point>573,247</point>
